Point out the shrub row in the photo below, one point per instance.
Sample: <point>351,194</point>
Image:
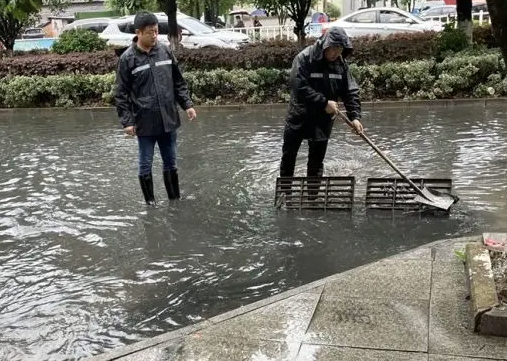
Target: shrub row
<point>457,76</point>
<point>101,62</point>
<point>78,41</point>
<point>280,54</point>
<point>273,55</point>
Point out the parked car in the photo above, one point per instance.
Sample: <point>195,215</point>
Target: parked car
<point>421,6</point>
<point>218,24</point>
<point>33,33</point>
<point>195,34</point>
<point>442,10</point>
<point>95,24</point>
<point>450,10</point>
<point>382,21</point>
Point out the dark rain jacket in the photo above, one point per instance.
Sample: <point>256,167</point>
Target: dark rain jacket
<point>314,81</point>
<point>148,88</point>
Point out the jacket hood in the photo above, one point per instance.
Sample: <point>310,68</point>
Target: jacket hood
<point>335,36</point>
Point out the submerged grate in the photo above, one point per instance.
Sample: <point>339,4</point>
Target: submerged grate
<point>315,192</point>
<point>396,193</point>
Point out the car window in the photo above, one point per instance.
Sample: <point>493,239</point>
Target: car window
<point>127,28</point>
<point>366,17</point>
<point>33,31</point>
<point>433,12</point>
<point>195,26</point>
<point>96,27</point>
<point>387,16</point>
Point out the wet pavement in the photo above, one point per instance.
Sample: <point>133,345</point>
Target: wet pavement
<point>86,268</point>
<point>409,307</point>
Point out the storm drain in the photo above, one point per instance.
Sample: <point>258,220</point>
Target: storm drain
<point>315,192</point>
<point>396,193</point>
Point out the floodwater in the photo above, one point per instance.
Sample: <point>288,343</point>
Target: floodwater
<point>85,267</point>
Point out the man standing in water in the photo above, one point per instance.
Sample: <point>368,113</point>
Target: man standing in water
<point>320,75</point>
<point>149,85</point>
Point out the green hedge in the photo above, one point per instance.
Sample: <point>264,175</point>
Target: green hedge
<point>458,76</point>
<point>55,90</point>
<point>79,41</point>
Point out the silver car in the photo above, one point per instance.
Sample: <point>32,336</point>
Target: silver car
<point>195,34</point>
<point>382,21</point>
<point>437,11</point>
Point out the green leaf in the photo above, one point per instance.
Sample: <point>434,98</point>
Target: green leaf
<point>461,255</point>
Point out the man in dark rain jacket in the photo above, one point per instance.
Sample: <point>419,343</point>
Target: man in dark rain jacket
<point>149,87</point>
<point>320,76</point>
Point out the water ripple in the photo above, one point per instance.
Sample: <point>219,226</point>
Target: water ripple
<point>85,267</point>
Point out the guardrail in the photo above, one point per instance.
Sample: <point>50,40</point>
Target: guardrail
<point>482,17</point>
<point>285,32</point>
<point>282,32</point>
<point>315,29</point>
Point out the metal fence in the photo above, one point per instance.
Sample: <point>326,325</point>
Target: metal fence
<point>282,32</point>
<point>480,18</point>
<point>257,34</point>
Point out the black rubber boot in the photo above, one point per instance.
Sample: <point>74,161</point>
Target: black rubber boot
<point>286,186</point>
<point>146,182</point>
<point>313,187</point>
<point>176,183</point>
<point>172,184</point>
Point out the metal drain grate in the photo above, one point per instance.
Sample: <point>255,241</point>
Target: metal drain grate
<point>396,193</point>
<point>315,192</point>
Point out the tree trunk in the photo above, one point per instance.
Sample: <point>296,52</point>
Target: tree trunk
<point>299,29</point>
<point>9,44</point>
<point>281,13</point>
<point>173,25</point>
<point>282,17</point>
<point>197,10</point>
<point>217,11</point>
<point>211,9</point>
<point>191,8</point>
<point>207,12</point>
<point>464,10</point>
<point>498,13</point>
<point>297,11</point>
<point>9,30</point>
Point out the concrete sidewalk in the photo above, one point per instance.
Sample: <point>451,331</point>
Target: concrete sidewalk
<point>412,306</point>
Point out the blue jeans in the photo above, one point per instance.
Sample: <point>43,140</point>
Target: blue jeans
<point>166,145</point>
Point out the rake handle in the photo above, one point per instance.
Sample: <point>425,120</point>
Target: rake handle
<point>376,149</point>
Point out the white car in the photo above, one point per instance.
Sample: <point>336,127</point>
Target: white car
<point>195,34</point>
<point>382,21</point>
<point>96,24</point>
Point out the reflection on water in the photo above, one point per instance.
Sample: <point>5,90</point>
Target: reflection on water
<point>85,267</point>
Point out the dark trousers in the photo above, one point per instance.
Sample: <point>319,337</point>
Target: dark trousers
<point>167,146</point>
<point>316,154</point>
